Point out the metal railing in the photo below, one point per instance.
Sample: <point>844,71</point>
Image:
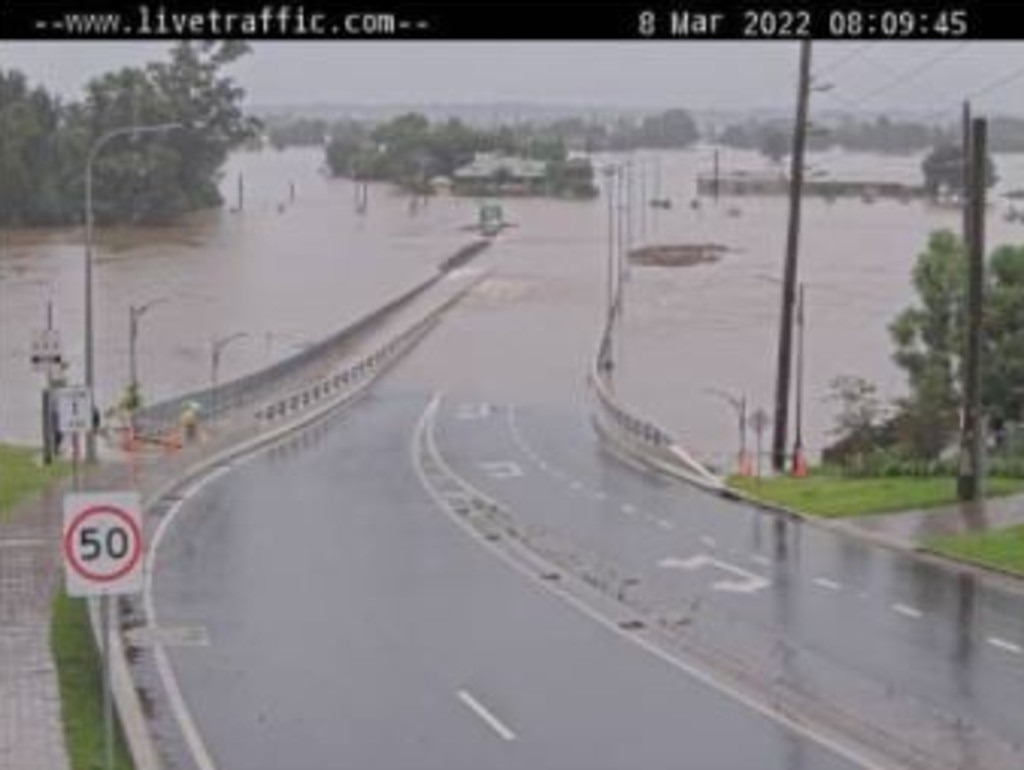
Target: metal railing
<point>638,435</point>
<point>259,385</point>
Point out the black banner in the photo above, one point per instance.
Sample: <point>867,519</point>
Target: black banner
<point>565,20</point>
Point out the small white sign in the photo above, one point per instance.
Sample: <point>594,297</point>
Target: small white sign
<point>102,543</point>
<point>74,409</point>
<point>46,350</point>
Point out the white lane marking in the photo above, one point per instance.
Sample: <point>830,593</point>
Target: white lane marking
<point>600,496</point>
<point>175,698</point>
<point>473,411</point>
<point>665,524</point>
<point>489,719</point>
<point>764,561</point>
<point>906,610</point>
<point>576,485</point>
<point>628,509</point>
<point>501,469</point>
<point>707,540</point>
<point>831,585</point>
<point>425,429</point>
<point>1002,644</point>
<point>748,582</point>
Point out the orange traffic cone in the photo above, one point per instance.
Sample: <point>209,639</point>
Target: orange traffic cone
<point>746,467</point>
<point>799,463</point>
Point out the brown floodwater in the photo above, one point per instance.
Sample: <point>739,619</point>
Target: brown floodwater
<point>287,274</point>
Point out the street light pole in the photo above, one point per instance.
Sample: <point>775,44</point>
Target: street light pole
<point>216,348</point>
<point>135,312</point>
<point>94,150</point>
<point>606,363</point>
<point>739,404</point>
<point>799,462</point>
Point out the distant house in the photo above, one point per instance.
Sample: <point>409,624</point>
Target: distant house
<point>767,183</point>
<point>492,173</point>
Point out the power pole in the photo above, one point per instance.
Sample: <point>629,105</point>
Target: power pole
<point>969,482</point>
<point>789,273</point>
<point>799,462</point>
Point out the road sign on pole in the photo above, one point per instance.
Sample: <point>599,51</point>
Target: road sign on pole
<point>102,543</point>
<point>46,350</point>
<point>74,409</point>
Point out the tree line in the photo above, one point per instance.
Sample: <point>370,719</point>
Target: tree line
<point>141,179</point>
<point>928,337</point>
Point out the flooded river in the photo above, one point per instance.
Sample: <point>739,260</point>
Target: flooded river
<point>287,272</point>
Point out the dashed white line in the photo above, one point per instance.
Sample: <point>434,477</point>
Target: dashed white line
<point>1002,644</point>
<point>665,524</point>
<point>628,509</point>
<point>906,610</point>
<point>707,540</point>
<point>488,718</point>
<point>600,496</point>
<point>757,558</point>
<point>576,485</point>
<point>831,585</point>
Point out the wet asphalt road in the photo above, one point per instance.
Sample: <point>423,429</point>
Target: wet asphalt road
<point>351,624</point>
<point>864,626</point>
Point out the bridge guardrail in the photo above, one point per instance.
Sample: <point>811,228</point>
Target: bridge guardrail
<point>639,436</point>
<point>213,402</point>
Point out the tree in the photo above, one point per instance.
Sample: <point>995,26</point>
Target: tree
<point>943,170</point>
<point>858,423</point>
<point>775,145</point>
<point>929,341</point>
<point>1003,330</point>
<point>44,144</point>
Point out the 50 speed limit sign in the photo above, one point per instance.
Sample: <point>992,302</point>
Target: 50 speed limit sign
<point>103,550</point>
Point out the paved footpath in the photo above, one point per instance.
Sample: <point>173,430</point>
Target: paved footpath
<point>911,528</point>
<point>31,736</point>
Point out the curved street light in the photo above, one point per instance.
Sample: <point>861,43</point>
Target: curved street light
<point>739,405</point>
<point>94,150</point>
<point>216,348</point>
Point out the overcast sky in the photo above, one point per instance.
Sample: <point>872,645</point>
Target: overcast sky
<point>915,76</point>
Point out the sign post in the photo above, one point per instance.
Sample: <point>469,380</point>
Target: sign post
<point>47,359</point>
<point>759,422</point>
<point>103,556</point>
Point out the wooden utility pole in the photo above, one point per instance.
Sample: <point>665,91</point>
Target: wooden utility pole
<point>790,270</point>
<point>969,482</point>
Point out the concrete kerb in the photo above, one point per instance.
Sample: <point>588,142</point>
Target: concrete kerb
<point>636,451</point>
<point>125,693</point>
<point>1001,578</point>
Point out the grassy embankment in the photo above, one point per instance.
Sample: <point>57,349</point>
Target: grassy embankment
<point>78,662</point>
<point>835,496</point>
<point>1000,548</point>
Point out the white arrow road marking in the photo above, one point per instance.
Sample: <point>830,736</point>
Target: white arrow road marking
<point>489,719</point>
<point>910,612</point>
<point>1002,644</point>
<point>473,411</point>
<point>748,582</point>
<point>831,585</point>
<point>502,469</point>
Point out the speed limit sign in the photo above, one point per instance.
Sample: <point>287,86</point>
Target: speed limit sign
<point>102,543</point>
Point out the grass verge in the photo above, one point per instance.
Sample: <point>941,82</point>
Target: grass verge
<point>80,674</point>
<point>1000,548</point>
<point>838,496</point>
<point>21,476</point>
